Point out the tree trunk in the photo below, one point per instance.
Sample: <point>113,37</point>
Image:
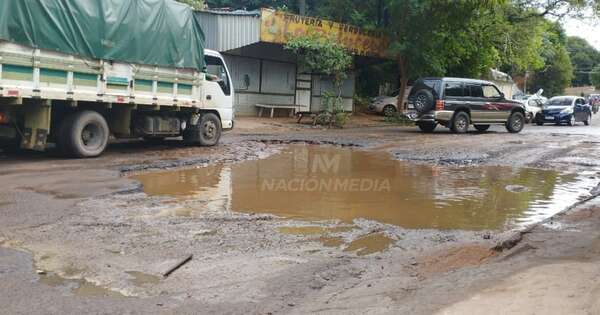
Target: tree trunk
<point>403,71</point>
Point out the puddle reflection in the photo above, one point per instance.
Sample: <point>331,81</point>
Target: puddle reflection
<point>316,183</point>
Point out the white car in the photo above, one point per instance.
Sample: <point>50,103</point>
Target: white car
<point>533,104</point>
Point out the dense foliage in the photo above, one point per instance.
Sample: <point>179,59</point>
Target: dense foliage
<point>557,72</point>
<point>595,77</point>
<point>584,58</point>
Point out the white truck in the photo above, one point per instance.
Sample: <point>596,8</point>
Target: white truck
<point>78,102</point>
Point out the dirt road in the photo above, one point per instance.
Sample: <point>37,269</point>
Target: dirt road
<point>84,236</point>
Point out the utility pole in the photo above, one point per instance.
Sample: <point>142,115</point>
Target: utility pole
<point>302,7</point>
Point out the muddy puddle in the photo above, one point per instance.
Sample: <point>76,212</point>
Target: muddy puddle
<point>330,183</point>
<point>78,287</point>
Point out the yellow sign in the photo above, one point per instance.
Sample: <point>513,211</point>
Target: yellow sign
<point>278,27</point>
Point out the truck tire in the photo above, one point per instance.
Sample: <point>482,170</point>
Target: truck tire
<point>83,134</point>
<point>424,101</point>
<point>516,122</point>
<point>206,133</point>
<point>460,122</point>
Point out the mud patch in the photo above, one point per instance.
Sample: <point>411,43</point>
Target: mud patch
<point>454,258</point>
<point>333,183</point>
<point>372,243</point>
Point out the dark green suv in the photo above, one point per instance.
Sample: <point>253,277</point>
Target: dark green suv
<point>457,103</point>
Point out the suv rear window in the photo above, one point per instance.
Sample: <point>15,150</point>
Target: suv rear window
<point>454,89</point>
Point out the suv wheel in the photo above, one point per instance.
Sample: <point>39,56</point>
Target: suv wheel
<point>427,126</point>
<point>515,122</point>
<point>424,101</point>
<point>460,123</point>
<point>482,128</point>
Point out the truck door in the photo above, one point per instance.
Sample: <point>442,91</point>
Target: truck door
<point>218,90</point>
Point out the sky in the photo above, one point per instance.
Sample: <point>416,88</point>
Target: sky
<point>588,29</point>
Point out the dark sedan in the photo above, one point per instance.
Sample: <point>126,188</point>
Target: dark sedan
<point>565,110</point>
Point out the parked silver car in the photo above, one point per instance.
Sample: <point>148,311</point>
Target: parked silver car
<point>387,105</point>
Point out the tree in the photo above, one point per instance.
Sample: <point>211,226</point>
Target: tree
<point>584,57</point>
<point>558,71</point>
<point>439,37</point>
<point>595,77</point>
<point>323,55</point>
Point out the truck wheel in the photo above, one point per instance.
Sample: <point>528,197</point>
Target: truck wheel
<point>83,134</point>
<point>206,133</point>
<point>482,128</point>
<point>515,123</point>
<point>460,123</point>
<point>427,126</point>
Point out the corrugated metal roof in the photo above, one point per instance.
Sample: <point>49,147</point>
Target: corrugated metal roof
<point>234,12</point>
<point>229,31</point>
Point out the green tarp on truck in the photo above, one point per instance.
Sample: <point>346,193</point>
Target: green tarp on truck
<point>152,32</point>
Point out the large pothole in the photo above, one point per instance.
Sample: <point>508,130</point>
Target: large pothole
<point>316,183</point>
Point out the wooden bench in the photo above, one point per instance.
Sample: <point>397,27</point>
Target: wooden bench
<point>272,107</point>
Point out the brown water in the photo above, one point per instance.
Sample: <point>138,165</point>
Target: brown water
<point>141,279</point>
<point>79,287</point>
<point>323,183</point>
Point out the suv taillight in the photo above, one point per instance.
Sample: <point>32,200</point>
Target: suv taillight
<point>439,105</point>
<point>3,118</point>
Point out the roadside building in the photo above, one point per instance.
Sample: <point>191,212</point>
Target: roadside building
<point>263,72</point>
